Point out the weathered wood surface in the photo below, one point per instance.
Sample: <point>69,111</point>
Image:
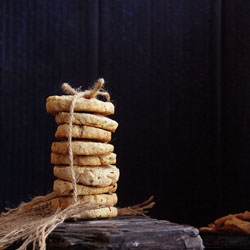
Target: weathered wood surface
<point>124,233</point>
<point>216,240</point>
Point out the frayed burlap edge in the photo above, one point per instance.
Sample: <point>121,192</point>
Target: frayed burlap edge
<point>32,222</point>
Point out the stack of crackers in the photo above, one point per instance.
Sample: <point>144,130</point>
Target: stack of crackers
<point>93,155</point>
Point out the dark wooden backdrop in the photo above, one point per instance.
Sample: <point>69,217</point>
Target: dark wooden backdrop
<point>178,72</point>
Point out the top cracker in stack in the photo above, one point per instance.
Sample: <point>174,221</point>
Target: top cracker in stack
<point>93,155</point>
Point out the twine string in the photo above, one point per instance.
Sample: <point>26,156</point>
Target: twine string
<point>71,157</point>
<point>93,93</point>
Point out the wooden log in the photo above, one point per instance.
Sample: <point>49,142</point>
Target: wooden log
<point>124,232</point>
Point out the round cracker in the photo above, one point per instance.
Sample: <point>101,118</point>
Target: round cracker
<point>66,188</point>
<point>92,120</point>
<point>99,213</point>
<point>84,160</point>
<point>55,104</point>
<point>98,199</point>
<point>101,176</point>
<point>82,148</point>
<point>83,132</point>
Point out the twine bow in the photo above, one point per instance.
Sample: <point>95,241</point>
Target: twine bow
<point>92,93</point>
